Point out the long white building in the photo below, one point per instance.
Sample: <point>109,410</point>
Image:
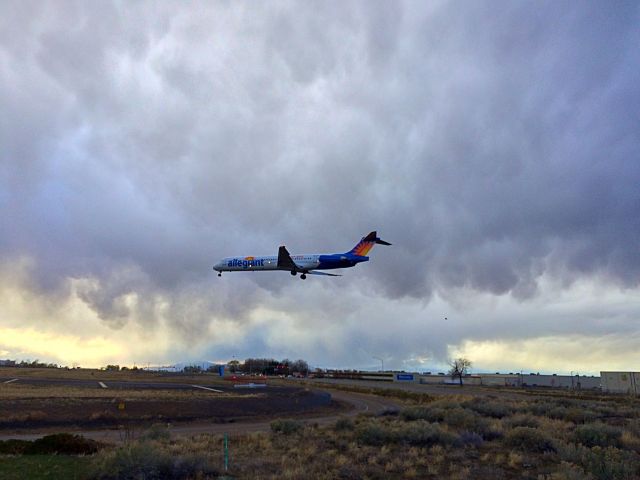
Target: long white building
<point>621,382</point>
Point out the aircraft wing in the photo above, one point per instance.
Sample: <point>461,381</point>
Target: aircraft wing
<point>316,272</point>
<point>285,261</point>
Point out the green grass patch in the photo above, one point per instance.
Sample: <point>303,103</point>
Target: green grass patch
<point>44,467</point>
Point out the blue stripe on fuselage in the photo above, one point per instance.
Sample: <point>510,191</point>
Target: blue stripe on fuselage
<point>328,262</point>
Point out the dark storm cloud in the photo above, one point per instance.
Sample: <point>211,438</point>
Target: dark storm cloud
<point>492,143</point>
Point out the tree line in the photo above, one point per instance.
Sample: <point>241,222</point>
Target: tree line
<point>269,366</point>
<point>28,364</point>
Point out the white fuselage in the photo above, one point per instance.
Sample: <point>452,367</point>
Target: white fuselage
<point>264,262</point>
<point>304,264</point>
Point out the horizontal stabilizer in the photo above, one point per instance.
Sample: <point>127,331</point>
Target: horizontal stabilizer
<point>366,243</point>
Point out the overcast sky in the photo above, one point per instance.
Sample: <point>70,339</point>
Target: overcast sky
<point>495,144</point>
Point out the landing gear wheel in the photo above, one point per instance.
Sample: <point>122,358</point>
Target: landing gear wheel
<point>220,274</point>
<point>293,272</point>
<point>303,276</point>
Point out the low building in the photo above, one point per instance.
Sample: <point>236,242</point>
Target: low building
<point>434,379</point>
<point>360,375</point>
<point>576,382</point>
<point>621,382</point>
<point>500,379</point>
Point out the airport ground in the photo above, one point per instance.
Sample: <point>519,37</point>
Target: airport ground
<point>101,404</point>
<point>314,428</point>
<point>112,406</point>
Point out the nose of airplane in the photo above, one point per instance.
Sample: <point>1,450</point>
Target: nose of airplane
<point>217,266</point>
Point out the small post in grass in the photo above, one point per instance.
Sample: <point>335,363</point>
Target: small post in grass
<point>226,452</point>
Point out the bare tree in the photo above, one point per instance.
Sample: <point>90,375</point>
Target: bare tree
<point>300,366</point>
<point>459,367</point>
<point>234,365</point>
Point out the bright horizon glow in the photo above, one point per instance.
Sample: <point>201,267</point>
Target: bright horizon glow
<point>132,344</point>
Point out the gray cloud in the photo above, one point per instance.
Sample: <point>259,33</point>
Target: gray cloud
<point>493,145</point>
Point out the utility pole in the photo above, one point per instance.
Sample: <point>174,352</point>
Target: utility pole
<point>381,362</point>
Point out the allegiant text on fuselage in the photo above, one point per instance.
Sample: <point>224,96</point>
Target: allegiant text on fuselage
<point>245,263</point>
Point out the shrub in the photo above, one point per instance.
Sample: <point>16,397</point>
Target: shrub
<point>420,433</point>
<point>602,463</point>
<point>488,431</point>
<point>521,420</point>
<point>569,471</point>
<point>344,424</point>
<point>192,465</point>
<point>134,460</point>
<point>579,415</point>
<point>348,472</point>
<point>424,434</point>
<point>489,409</point>
<point>374,434</point>
<point>14,447</point>
<point>471,421</point>
<point>543,408</point>
<point>148,461</point>
<point>422,413</point>
<point>529,439</point>
<point>598,434</point>
<point>463,418</point>
<point>436,412</point>
<point>633,426</point>
<point>571,414</point>
<point>64,443</point>
<point>454,416</point>
<point>158,431</point>
<point>557,413</point>
<point>286,427</point>
<point>60,443</point>
<point>389,412</point>
<point>469,439</point>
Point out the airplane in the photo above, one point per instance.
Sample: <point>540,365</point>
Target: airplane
<point>303,264</point>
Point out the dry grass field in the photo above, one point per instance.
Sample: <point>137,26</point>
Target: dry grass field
<point>456,437</point>
<point>107,375</point>
<point>499,435</point>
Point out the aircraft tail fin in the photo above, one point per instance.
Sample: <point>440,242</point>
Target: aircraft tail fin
<point>366,244</point>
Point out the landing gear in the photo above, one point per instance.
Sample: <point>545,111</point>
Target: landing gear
<point>303,276</point>
<point>293,272</point>
<point>219,274</point>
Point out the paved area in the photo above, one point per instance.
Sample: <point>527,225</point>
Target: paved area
<point>124,385</point>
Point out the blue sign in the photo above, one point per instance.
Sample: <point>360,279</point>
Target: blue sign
<point>404,376</point>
